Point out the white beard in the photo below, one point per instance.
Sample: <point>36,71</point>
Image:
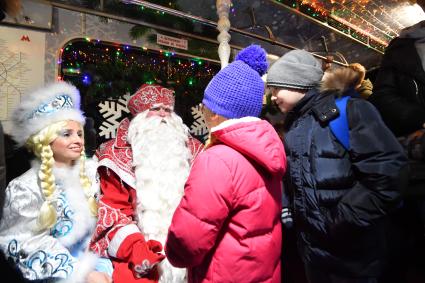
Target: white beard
<point>162,163</point>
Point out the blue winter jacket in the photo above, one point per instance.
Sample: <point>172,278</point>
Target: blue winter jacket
<point>342,199</point>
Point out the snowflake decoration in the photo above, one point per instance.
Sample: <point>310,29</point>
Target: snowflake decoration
<point>112,112</point>
<point>199,127</point>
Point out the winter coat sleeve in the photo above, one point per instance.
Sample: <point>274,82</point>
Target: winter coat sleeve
<point>401,114</point>
<point>379,165</point>
<point>36,253</point>
<point>115,212</point>
<point>117,236</point>
<point>202,211</point>
<point>286,213</point>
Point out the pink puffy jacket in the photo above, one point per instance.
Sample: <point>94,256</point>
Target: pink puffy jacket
<point>227,226</point>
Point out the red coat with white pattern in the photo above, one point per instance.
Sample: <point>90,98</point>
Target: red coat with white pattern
<point>227,225</point>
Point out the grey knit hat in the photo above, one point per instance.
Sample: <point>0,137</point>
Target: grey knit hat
<point>297,69</point>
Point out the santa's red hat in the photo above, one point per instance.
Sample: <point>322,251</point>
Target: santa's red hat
<point>149,95</point>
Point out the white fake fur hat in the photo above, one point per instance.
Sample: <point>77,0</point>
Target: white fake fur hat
<point>26,123</point>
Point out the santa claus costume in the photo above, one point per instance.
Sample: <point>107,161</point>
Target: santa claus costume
<point>142,176</point>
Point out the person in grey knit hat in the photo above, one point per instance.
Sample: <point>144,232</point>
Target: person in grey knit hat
<point>296,72</point>
<point>341,195</point>
<point>298,69</point>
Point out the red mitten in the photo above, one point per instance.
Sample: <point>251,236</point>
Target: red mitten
<point>141,256</point>
<point>143,259</point>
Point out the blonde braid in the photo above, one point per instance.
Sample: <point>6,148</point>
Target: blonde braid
<point>47,217</point>
<point>39,143</point>
<point>86,184</point>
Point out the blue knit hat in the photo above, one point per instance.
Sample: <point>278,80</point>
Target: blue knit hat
<point>237,90</point>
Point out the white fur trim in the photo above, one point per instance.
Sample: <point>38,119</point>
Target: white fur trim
<point>91,165</point>
<point>84,221</point>
<point>23,127</point>
<point>120,236</point>
<point>125,176</point>
<point>231,122</point>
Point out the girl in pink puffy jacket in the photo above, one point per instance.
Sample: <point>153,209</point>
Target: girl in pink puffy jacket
<point>227,226</point>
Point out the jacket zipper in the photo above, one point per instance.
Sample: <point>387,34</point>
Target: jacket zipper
<point>418,97</point>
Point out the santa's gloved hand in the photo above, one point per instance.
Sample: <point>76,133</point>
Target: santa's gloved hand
<point>144,259</point>
<point>140,255</point>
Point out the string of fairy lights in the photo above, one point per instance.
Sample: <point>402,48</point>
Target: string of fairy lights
<point>91,63</point>
<point>365,20</point>
<point>373,23</point>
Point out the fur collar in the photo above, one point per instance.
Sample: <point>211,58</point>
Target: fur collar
<point>83,220</point>
<point>68,181</point>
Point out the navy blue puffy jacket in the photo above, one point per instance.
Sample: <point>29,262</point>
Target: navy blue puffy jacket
<point>341,200</point>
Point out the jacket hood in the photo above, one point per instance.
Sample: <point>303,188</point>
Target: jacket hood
<point>417,31</point>
<point>401,54</point>
<point>255,139</point>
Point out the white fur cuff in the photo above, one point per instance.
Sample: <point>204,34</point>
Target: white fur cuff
<point>120,236</point>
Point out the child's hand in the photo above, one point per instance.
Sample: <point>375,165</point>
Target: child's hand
<point>98,277</point>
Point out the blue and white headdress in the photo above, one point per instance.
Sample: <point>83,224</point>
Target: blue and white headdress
<point>56,102</point>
